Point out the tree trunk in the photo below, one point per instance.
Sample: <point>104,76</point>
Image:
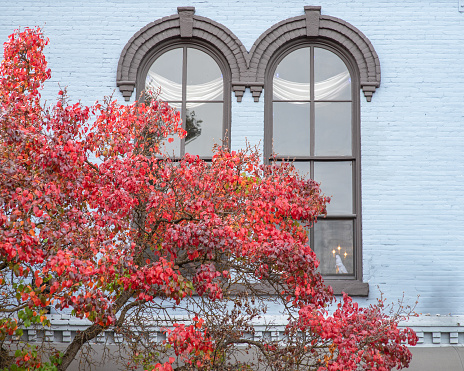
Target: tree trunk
<point>5,359</point>
<point>139,216</point>
<point>90,333</point>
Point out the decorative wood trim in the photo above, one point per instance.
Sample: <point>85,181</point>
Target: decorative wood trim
<point>437,331</point>
<point>313,14</point>
<point>248,68</point>
<point>185,25</point>
<point>319,27</point>
<point>351,287</point>
<point>186,20</point>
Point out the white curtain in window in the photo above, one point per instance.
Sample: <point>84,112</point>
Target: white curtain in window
<point>171,91</point>
<point>328,89</point>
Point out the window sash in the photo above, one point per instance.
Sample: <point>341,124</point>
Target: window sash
<point>223,118</point>
<point>312,157</point>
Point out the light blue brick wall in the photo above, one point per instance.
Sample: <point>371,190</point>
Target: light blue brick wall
<point>412,131</point>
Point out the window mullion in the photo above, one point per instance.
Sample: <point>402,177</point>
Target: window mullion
<point>312,126</point>
<point>184,97</point>
<point>312,114</point>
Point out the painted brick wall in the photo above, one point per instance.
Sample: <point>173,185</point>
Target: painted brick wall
<point>412,131</point>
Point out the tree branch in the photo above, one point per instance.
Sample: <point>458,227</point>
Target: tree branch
<point>14,309</point>
<point>92,166</point>
<point>127,308</point>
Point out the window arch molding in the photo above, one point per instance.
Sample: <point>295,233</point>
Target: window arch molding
<point>248,69</point>
<point>184,26</point>
<point>313,25</point>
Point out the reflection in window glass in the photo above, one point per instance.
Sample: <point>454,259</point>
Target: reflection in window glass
<point>333,245</point>
<point>202,128</point>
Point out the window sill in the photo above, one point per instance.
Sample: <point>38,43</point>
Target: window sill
<point>351,287</point>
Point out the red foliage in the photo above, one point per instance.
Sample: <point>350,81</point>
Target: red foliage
<point>96,217</point>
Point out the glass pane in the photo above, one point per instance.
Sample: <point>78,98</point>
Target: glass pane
<point>333,245</point>
<point>204,127</point>
<point>171,149</point>
<point>332,78</point>
<point>204,77</point>
<point>166,74</point>
<point>292,76</point>
<point>304,168</point>
<point>336,182</point>
<point>333,129</point>
<point>291,130</point>
<point>176,105</point>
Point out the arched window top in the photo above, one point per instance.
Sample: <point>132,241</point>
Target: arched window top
<point>184,27</point>
<point>292,75</point>
<point>316,27</point>
<point>195,81</point>
<point>203,76</point>
<point>311,84</point>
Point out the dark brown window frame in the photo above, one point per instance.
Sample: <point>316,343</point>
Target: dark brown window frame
<point>184,43</point>
<point>352,285</point>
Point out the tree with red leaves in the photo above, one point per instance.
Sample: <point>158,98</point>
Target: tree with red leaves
<point>94,218</point>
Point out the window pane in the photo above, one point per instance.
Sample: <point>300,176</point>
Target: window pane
<point>204,127</point>
<point>333,129</point>
<point>332,78</point>
<point>336,182</point>
<point>171,149</point>
<point>292,76</point>
<point>333,245</point>
<point>204,77</point>
<point>291,130</point>
<point>304,168</point>
<point>166,74</point>
<point>176,105</point>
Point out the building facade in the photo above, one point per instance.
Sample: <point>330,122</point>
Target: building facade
<point>366,96</point>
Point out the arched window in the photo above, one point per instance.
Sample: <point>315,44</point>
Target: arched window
<point>313,68</point>
<point>312,118</point>
<point>194,80</point>
<point>192,60</point>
